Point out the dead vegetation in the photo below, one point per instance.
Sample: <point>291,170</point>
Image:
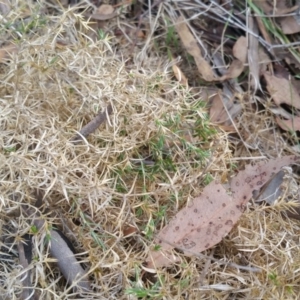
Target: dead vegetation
<point>106,134</point>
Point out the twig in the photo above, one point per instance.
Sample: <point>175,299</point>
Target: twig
<point>92,126</point>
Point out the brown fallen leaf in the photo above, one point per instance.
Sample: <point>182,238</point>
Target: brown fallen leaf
<point>276,9</point>
<point>224,110</point>
<point>104,12</point>
<point>282,90</point>
<point>192,48</point>
<point>235,70</point>
<point>289,25</point>
<point>292,124</point>
<point>210,217</point>
<point>129,230</point>
<point>204,68</point>
<point>254,177</point>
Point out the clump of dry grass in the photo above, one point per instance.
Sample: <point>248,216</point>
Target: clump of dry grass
<point>154,153</point>
<point>128,172</point>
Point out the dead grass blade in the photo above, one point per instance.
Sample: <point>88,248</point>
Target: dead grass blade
<point>253,55</point>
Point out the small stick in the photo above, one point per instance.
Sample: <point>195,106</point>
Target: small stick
<point>92,126</point>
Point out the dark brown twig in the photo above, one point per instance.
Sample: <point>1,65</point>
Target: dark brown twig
<point>92,126</point>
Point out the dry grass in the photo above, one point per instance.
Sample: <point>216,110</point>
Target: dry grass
<point>156,151</point>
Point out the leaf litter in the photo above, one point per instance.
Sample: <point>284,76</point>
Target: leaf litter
<point>91,185</point>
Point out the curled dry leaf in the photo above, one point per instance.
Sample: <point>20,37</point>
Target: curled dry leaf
<point>180,76</point>
<point>210,217</point>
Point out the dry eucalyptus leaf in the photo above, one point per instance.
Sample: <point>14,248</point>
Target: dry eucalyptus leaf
<point>254,177</point>
<point>210,217</point>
